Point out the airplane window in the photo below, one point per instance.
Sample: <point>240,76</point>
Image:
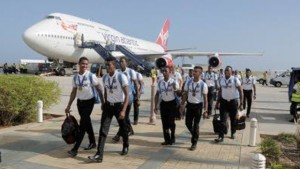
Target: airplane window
<point>52,36</point>
<point>53,17</point>
<point>60,37</point>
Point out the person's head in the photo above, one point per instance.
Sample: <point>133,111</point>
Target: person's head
<point>191,72</point>
<point>228,71</point>
<point>110,63</point>
<point>210,68</point>
<point>248,72</point>
<point>123,61</point>
<point>221,71</point>
<point>83,63</point>
<point>197,72</point>
<point>236,72</point>
<point>166,71</point>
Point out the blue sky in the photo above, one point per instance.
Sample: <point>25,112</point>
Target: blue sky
<point>269,26</point>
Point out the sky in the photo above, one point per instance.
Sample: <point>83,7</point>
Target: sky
<point>268,26</point>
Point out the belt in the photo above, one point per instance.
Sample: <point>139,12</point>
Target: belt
<point>229,100</point>
<point>114,104</point>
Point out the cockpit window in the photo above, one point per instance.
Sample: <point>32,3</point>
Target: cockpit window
<point>53,17</point>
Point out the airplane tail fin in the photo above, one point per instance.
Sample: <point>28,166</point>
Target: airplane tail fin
<point>162,38</point>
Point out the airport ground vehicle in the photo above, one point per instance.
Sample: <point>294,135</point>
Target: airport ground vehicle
<point>294,73</point>
<point>281,79</point>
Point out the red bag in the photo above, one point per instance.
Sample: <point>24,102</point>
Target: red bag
<point>70,129</point>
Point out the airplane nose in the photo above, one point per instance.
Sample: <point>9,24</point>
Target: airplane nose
<point>28,36</point>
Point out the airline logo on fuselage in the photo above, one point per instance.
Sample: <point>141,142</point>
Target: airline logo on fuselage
<point>119,39</point>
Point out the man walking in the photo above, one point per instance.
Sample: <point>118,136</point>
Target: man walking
<point>228,103</point>
<point>249,90</point>
<point>116,100</point>
<point>195,93</point>
<point>210,78</point>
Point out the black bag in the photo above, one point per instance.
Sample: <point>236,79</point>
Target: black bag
<point>240,123</point>
<point>218,125</point>
<point>70,129</point>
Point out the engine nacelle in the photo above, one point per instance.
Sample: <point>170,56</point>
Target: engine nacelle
<point>165,60</point>
<point>214,61</point>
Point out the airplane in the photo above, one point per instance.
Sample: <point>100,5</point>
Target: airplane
<point>65,37</point>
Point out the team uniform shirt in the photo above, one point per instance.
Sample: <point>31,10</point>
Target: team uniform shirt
<point>139,76</point>
<point>248,83</point>
<point>194,89</point>
<point>210,79</point>
<point>131,75</point>
<point>84,85</point>
<point>166,89</point>
<point>229,88</point>
<point>113,87</point>
<point>177,77</point>
<point>188,78</point>
<point>160,77</point>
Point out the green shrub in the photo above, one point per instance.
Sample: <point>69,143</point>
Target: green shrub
<point>270,148</point>
<point>19,96</point>
<point>286,138</point>
<point>276,166</point>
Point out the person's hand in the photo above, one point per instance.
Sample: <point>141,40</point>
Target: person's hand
<point>155,110</point>
<point>122,115</point>
<point>67,110</point>
<point>181,108</point>
<point>205,114</point>
<point>254,96</point>
<point>241,107</point>
<point>217,106</point>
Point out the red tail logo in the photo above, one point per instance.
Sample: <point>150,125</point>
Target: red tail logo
<point>162,38</point>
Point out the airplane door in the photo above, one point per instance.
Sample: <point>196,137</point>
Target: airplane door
<point>79,39</point>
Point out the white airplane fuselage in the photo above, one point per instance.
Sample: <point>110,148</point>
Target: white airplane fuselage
<point>55,37</point>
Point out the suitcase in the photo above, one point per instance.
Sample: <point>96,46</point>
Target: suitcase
<point>218,125</point>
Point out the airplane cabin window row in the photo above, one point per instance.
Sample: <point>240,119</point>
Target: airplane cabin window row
<point>55,36</point>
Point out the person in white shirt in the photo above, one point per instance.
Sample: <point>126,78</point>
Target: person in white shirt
<point>136,102</point>
<point>166,89</point>
<point>195,93</point>
<point>116,95</point>
<point>210,78</point>
<point>83,83</point>
<point>249,90</point>
<point>227,102</point>
<point>133,94</point>
<point>177,77</point>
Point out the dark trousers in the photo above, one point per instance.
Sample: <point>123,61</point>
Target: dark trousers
<point>229,107</point>
<point>85,108</point>
<point>136,111</point>
<point>293,109</point>
<point>167,113</point>
<point>265,82</point>
<point>127,118</point>
<point>108,112</point>
<point>210,99</point>
<point>192,120</point>
<point>248,97</point>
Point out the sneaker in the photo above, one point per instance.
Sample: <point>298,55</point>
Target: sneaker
<point>292,120</point>
<point>73,153</point>
<point>95,158</point>
<point>218,140</point>
<point>193,147</point>
<point>116,138</point>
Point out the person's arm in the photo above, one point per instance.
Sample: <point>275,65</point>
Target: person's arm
<point>254,91</point>
<point>156,96</point>
<point>241,97</point>
<point>98,88</point>
<point>205,105</point>
<point>125,104</point>
<point>141,83</point>
<point>72,97</point>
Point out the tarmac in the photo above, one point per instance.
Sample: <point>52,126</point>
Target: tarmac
<point>40,145</point>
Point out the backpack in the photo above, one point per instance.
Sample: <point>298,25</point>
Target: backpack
<point>130,83</point>
<point>95,93</point>
<point>70,129</point>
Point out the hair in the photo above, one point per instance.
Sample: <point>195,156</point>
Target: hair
<point>229,67</point>
<point>247,69</point>
<point>111,59</point>
<point>83,58</point>
<point>124,58</point>
<point>198,67</point>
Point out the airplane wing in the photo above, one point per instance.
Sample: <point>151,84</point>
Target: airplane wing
<point>209,54</point>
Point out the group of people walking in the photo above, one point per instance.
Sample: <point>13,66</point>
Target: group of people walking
<point>193,94</point>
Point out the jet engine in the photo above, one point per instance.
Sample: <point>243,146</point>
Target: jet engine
<point>165,60</point>
<point>214,61</point>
